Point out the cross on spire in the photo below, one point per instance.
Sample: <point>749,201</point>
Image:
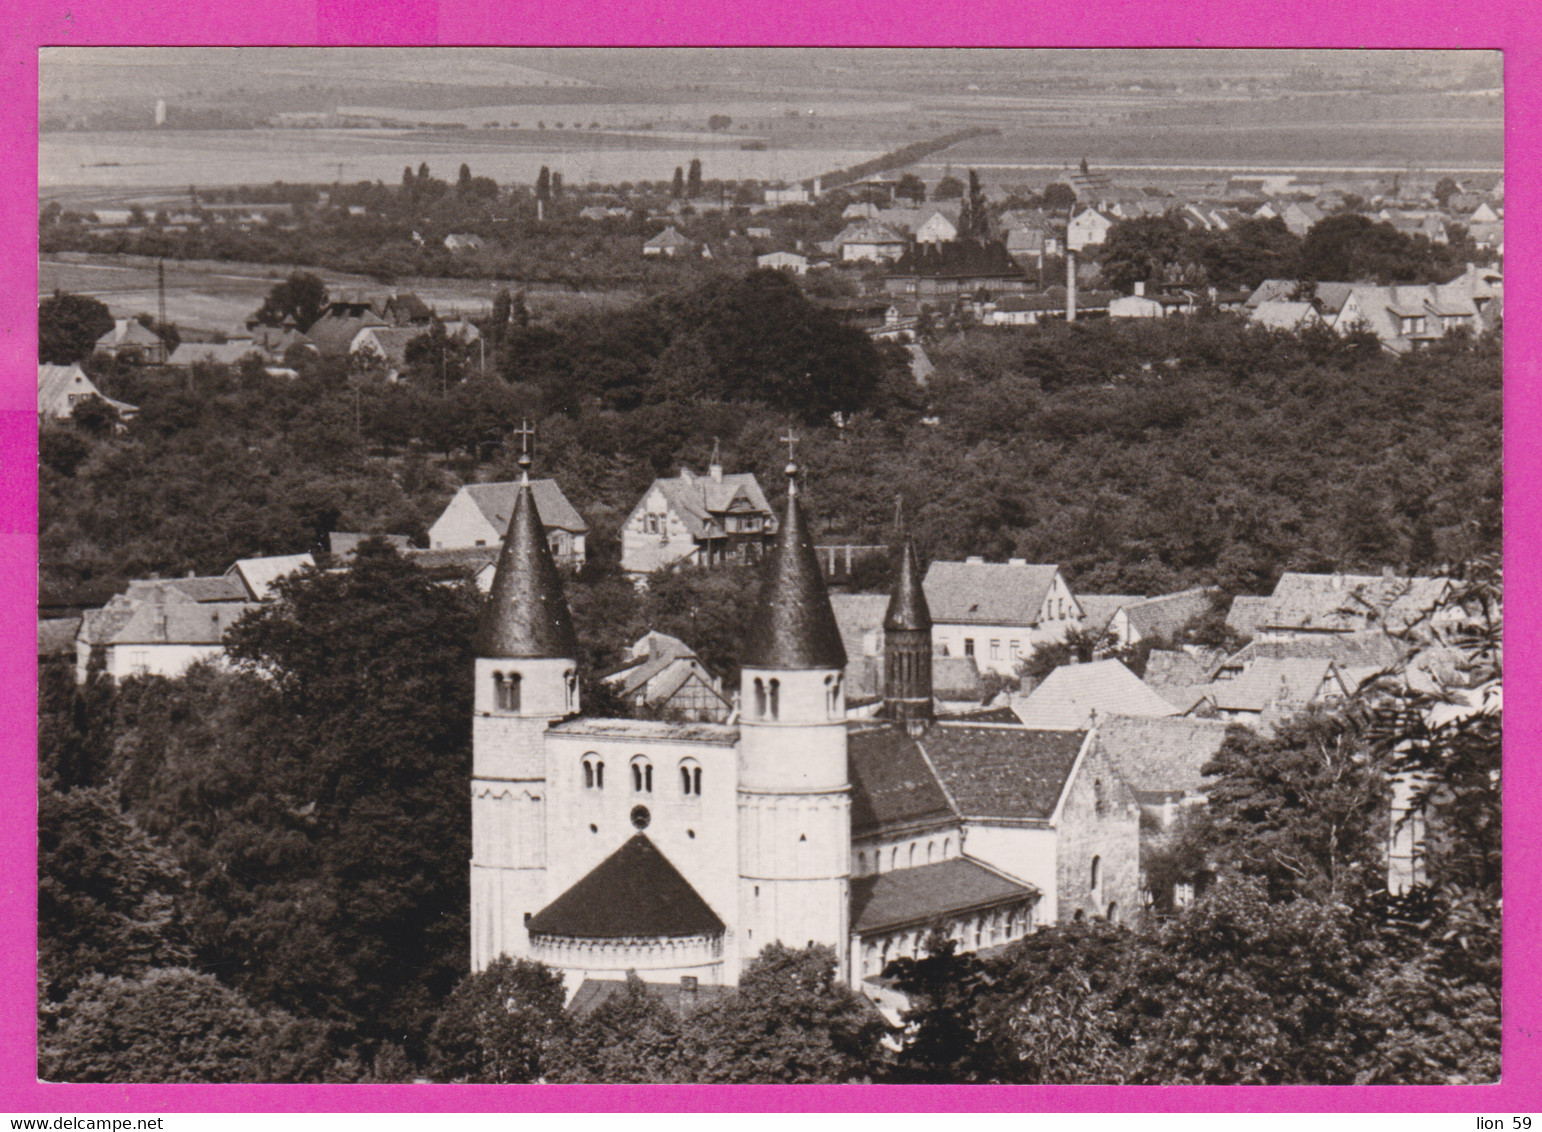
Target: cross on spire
<point>524,432</point>
<point>899,512</point>
<point>791,440</point>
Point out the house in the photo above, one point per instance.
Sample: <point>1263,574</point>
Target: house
<point>1179,676</point>
<point>1274,688</point>
<point>783,261</point>
<point>160,627</point>
<point>996,612</point>
<point>463,242</point>
<point>334,332</point>
<point>680,850</point>
<point>1282,315</point>
<point>1404,318</point>
<point>475,564</point>
<point>479,513</point>
<point>277,341</point>
<point>1157,619</point>
<point>407,310</point>
<point>342,544</point>
<point>257,575</point>
<point>1087,228</point>
<point>1074,696</point>
<point>669,243</point>
<point>189,354</point>
<point>797,194</point>
<point>868,241</point>
<point>61,388</point>
<point>385,346</point>
<point>1483,214</point>
<point>697,520</point>
<point>929,224</point>
<point>1313,604</point>
<point>958,268</point>
<point>665,676</point>
<point>1158,305</point>
<point>1299,216</point>
<point>132,341</point>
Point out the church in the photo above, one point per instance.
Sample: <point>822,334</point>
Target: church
<point>680,850</point>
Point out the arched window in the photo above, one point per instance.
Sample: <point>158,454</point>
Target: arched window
<point>894,858</point>
<point>775,697</point>
<point>642,776</point>
<point>760,698</point>
<point>594,772</point>
<point>1100,801</point>
<point>506,690</point>
<point>1113,912</point>
<point>912,859</point>
<point>862,864</point>
<point>588,774</point>
<point>833,696</point>
<point>570,680</point>
<point>931,851</point>
<point>690,779</point>
<point>1097,874</point>
<point>947,847</point>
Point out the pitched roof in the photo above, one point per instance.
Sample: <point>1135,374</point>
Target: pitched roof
<point>259,574</point>
<point>391,341</point>
<point>344,543</point>
<point>180,622</point>
<point>891,783</point>
<point>1348,650</point>
<point>1161,755</point>
<point>929,892</point>
<point>220,587</point>
<point>635,893</point>
<point>1271,290</point>
<point>526,614</point>
<point>1330,297</point>
<point>1099,609</point>
<point>129,332</point>
<point>868,232</point>
<point>956,679</point>
<point>1280,314</point>
<point>669,238</point>
<point>1285,682</point>
<point>857,615</point>
<point>699,500</point>
<point>214,353</point>
<point>55,383</point>
<point>56,636</point>
<point>793,626</point>
<point>987,593</point>
<point>1246,612</point>
<point>496,502</point>
<point>1175,668</point>
<point>1166,615</point>
<point>1341,602</point>
<point>1071,693</point>
<point>1002,772</point>
<point>453,560</point>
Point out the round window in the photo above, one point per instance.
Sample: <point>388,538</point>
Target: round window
<point>641,817</point>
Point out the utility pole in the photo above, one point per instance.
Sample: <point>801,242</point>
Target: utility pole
<point>160,289</point>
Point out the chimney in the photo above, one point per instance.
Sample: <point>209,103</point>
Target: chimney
<point>974,560</point>
<point>1070,285</point>
<point>1017,561</point>
<point>1388,573</point>
<point>687,475</point>
<point>1140,288</point>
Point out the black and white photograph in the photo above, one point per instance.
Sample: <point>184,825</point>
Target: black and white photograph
<point>903,566</point>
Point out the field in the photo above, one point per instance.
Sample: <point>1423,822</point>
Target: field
<point>220,296</point>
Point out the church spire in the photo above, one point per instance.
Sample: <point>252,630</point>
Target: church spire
<point>794,626</point>
<point>907,638</point>
<point>526,614</point>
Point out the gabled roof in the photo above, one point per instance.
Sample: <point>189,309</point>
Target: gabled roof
<point>987,593</point>
<point>669,238</point>
<point>955,679</point>
<point>459,559</point>
<point>1284,682</point>
<point>1330,297</point>
<point>1246,612</point>
<point>1175,668</point>
<point>129,332</point>
<point>868,232</point>
<point>213,353</point>
<point>56,384</point>
<point>1278,314</point>
<point>698,500</point>
<point>857,615</point>
<point>1099,609</point>
<point>995,772</point>
<point>904,897</point>
<point>891,783</point>
<point>1348,650</point>
<point>1166,615</point>
<point>180,622</point>
<point>1343,602</point>
<point>56,636</point>
<point>1071,693</point>
<point>635,893</point>
<point>218,587</point>
<point>259,574</point>
<point>1159,756</point>
<point>343,543</point>
<point>390,341</point>
<point>496,502</point>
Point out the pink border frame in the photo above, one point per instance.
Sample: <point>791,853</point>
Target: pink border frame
<point>1513,27</point>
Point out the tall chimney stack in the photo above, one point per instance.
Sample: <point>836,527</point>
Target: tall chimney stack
<point>1070,285</point>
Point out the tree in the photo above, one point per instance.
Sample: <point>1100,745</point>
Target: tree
<point>942,1043</point>
<point>1077,647</point>
<point>543,185</point>
<point>677,186</point>
<point>107,894</point>
<point>301,298</point>
<point>973,220</point>
<point>948,188</point>
<point>68,327</point>
<point>499,1025</point>
<point>173,1025</point>
<point>94,417</point>
<point>1445,189</point>
<point>910,187</point>
<point>693,179</point>
<point>791,1021</point>
<point>1147,249</point>
<point>556,185</point>
<point>1057,197</point>
<point>717,122</point>
<point>630,1038</point>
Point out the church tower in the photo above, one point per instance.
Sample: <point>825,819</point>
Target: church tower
<point>526,678</point>
<point>794,797</point>
<point>907,645</point>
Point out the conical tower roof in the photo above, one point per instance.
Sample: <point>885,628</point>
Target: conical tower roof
<point>907,601</point>
<point>526,613</point>
<point>794,626</point>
